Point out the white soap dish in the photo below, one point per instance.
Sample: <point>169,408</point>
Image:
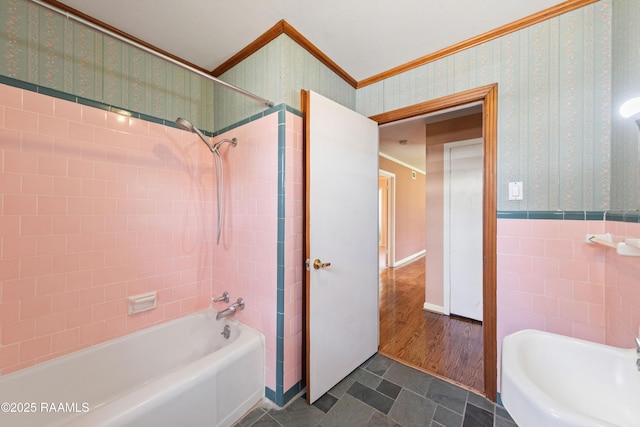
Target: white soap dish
<point>143,302</point>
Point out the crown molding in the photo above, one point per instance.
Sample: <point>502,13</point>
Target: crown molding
<point>283,27</point>
<point>263,40</point>
<point>401,163</point>
<point>525,22</point>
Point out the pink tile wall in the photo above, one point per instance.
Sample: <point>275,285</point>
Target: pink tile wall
<point>294,252</point>
<point>245,262</point>
<point>550,279</point>
<point>95,207</point>
<point>622,293</point>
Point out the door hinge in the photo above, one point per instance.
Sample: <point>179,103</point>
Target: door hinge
<point>307,264</point>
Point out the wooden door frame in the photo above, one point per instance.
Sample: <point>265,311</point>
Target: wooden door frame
<point>488,95</point>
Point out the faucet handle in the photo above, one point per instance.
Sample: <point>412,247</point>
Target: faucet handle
<point>239,304</point>
<point>224,297</point>
<point>638,346</point>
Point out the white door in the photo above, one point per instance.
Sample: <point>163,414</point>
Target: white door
<point>464,187</point>
<point>342,230</point>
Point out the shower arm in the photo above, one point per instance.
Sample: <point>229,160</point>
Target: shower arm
<point>153,52</point>
<point>232,141</point>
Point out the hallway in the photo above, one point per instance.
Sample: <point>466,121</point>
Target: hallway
<point>446,346</point>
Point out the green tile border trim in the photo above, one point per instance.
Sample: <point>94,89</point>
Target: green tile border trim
<point>512,215</point>
<point>624,216</point>
<point>275,109</point>
<point>288,395</point>
<point>576,215</point>
<point>293,392</point>
<point>546,215</point>
<point>594,215</point>
<point>280,255</point>
<point>619,216</point>
<point>21,84</point>
<point>270,394</point>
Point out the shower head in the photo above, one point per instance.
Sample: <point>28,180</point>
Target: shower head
<point>232,141</point>
<point>188,126</point>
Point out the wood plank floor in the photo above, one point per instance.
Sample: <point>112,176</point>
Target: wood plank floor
<point>447,346</point>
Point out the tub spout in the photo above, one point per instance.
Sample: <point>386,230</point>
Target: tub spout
<point>225,313</point>
<point>229,311</point>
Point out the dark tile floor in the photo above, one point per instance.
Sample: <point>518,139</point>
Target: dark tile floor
<point>383,392</point>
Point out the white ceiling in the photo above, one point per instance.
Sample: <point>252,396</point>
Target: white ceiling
<point>363,37</point>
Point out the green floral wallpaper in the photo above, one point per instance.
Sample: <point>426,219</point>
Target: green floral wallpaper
<point>554,104</point>
<point>625,137</point>
<point>278,72</point>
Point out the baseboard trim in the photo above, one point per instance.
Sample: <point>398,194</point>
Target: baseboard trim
<point>410,258</point>
<point>434,308</point>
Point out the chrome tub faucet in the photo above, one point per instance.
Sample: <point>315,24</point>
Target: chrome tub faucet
<point>229,311</point>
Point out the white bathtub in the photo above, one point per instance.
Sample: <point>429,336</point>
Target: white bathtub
<point>181,373</point>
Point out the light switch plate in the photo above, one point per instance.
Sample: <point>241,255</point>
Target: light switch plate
<point>515,191</point>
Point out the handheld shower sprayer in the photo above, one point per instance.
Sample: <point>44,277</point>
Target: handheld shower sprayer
<point>188,126</point>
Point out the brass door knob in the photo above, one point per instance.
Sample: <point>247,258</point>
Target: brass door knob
<point>317,264</point>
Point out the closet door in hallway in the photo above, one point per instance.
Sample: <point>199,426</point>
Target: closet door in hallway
<point>446,346</point>
<point>463,227</point>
